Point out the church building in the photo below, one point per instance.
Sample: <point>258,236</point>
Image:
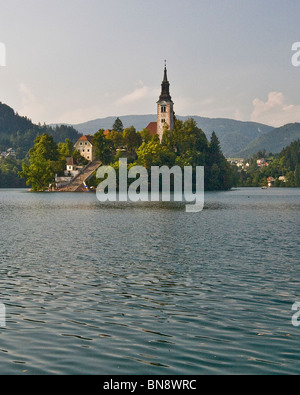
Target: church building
<point>165,111</point>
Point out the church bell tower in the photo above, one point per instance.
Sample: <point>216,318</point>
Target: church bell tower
<point>165,112</point>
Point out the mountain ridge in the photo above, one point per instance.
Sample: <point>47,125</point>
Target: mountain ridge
<point>237,138</point>
<point>274,141</point>
<point>234,135</point>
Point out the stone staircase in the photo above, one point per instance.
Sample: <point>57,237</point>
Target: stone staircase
<point>78,183</point>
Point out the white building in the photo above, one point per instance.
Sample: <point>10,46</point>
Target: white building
<point>86,148</point>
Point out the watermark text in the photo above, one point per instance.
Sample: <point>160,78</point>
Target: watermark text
<point>2,55</point>
<point>2,315</point>
<point>296,55</point>
<point>296,316</point>
<point>187,185</point>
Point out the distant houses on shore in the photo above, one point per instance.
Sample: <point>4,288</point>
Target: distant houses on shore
<point>6,154</point>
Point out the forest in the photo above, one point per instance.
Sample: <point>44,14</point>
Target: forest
<point>284,168</point>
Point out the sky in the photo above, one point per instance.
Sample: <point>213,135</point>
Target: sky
<point>71,61</point>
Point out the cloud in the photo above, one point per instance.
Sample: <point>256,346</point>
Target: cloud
<point>140,92</point>
<point>276,111</point>
<point>30,104</point>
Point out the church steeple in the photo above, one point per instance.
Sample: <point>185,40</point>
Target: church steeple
<point>165,87</point>
<point>165,113</point>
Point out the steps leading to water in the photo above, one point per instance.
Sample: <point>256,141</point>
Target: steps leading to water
<point>78,183</point>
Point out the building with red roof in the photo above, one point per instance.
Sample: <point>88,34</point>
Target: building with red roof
<point>152,127</point>
<point>86,148</point>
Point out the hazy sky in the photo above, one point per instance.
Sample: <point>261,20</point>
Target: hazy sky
<point>76,60</point>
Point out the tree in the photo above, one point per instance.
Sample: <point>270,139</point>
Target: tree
<point>9,173</point>
<point>43,163</point>
<point>79,158</point>
<point>297,176</point>
<point>219,174</point>
<point>118,125</point>
<point>214,181</point>
<point>286,163</point>
<point>153,154</point>
<point>132,139</point>
<point>186,145</point>
<point>66,149</point>
<point>102,148</point>
<point>145,135</point>
<point>215,152</point>
<point>116,139</point>
<point>45,147</point>
<point>186,136</point>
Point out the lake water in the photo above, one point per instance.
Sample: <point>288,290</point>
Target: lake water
<point>93,288</point>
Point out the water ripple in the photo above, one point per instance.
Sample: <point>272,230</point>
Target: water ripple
<point>147,289</point>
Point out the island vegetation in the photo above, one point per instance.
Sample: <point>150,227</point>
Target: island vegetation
<point>187,145</point>
<point>37,153</point>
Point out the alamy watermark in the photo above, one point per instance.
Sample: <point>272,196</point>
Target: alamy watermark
<point>2,315</point>
<point>2,55</point>
<point>296,316</point>
<point>163,184</point>
<point>296,56</point>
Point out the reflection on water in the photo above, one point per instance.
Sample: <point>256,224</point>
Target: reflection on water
<point>145,288</point>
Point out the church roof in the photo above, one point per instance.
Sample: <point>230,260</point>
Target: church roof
<point>152,127</point>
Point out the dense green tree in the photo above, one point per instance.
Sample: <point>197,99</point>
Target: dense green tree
<point>62,132</point>
<point>102,147</point>
<point>215,152</point>
<point>118,125</point>
<point>219,174</point>
<point>9,173</point>
<point>132,139</point>
<point>44,147</point>
<point>297,176</point>
<point>154,154</point>
<point>286,164</point>
<point>186,136</point>
<point>145,135</point>
<point>44,162</point>
<point>66,149</point>
<point>193,149</point>
<point>116,139</point>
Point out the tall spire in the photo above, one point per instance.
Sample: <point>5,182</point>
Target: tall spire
<point>165,73</point>
<point>165,87</point>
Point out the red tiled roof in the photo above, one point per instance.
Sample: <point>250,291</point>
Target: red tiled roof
<point>152,127</point>
<point>87,138</point>
<point>106,132</point>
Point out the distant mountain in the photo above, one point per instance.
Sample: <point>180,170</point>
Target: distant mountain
<point>233,135</point>
<point>138,121</point>
<point>273,141</point>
